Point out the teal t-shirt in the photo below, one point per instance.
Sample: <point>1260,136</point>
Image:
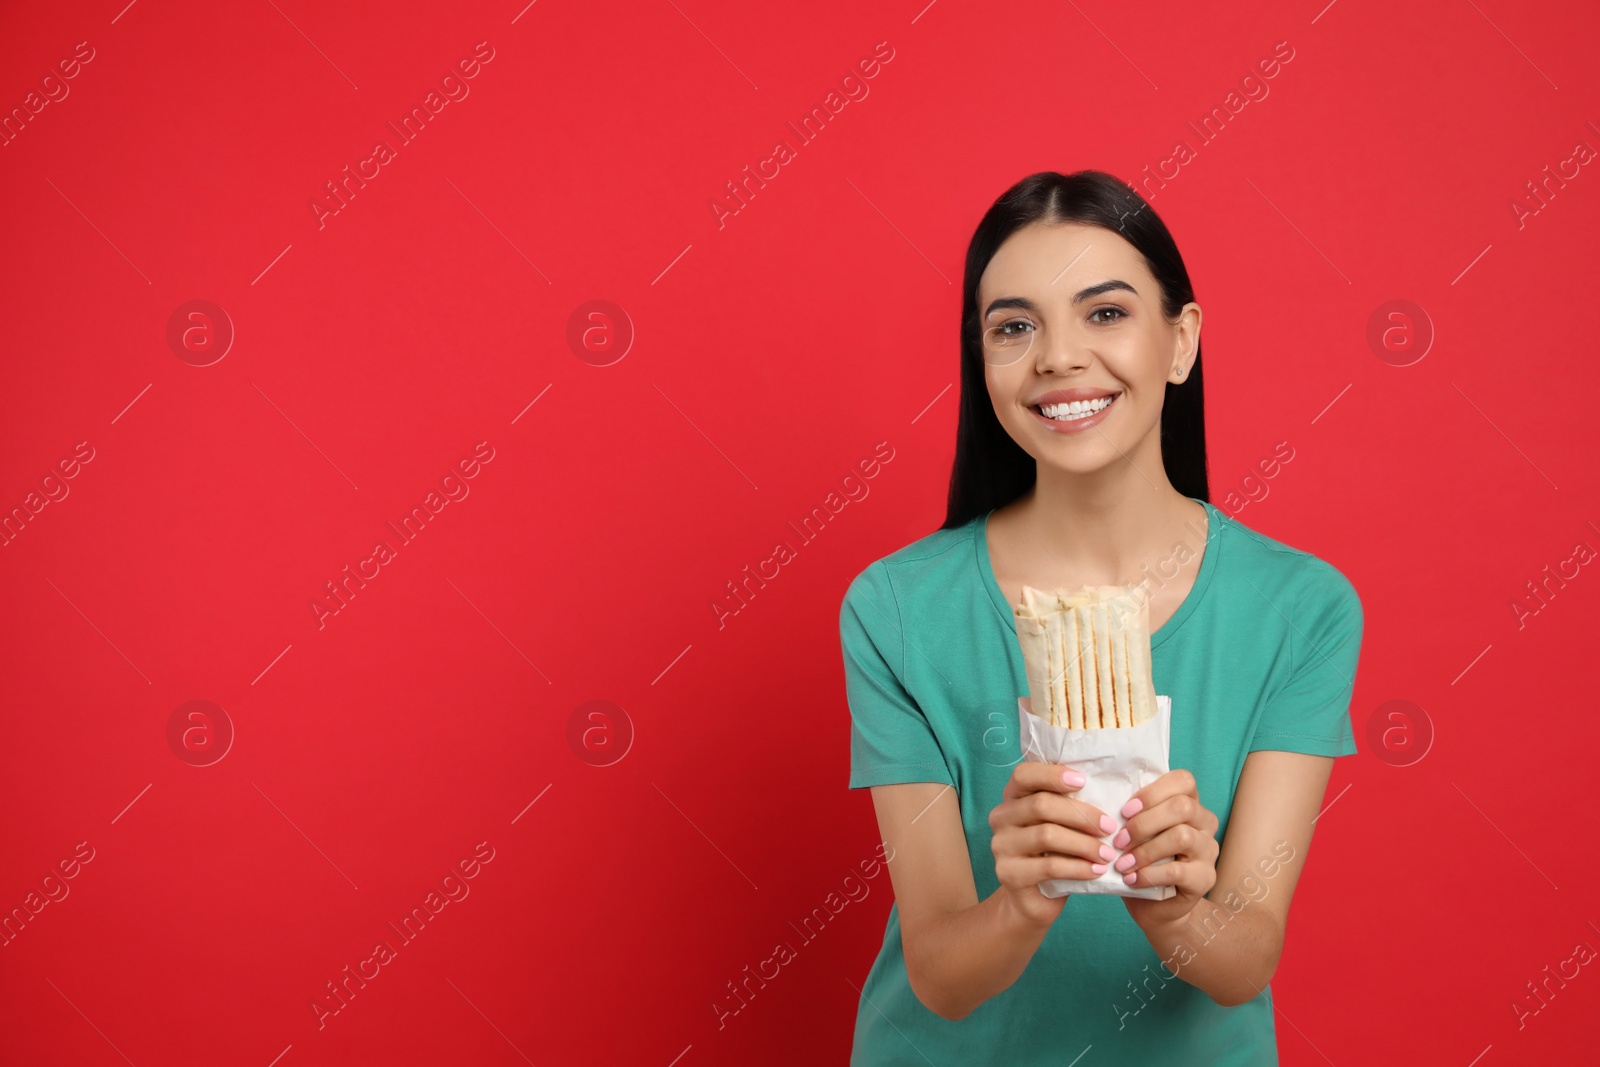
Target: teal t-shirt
<point>1261,654</point>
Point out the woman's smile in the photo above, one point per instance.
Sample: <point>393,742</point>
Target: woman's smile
<point>1076,416</point>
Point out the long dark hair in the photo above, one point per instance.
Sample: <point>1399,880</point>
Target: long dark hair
<point>990,469</point>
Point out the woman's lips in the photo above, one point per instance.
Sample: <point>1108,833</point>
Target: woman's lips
<point>1076,425</point>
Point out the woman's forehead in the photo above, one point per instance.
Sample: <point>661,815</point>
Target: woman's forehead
<point>1045,261</point>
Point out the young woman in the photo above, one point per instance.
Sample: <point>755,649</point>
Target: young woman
<point>1080,460</point>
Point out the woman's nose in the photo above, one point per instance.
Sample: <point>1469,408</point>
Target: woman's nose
<point>1059,350</point>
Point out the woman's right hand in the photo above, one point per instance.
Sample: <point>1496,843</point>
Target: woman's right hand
<point>1041,832</point>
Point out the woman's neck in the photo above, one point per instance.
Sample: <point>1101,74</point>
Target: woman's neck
<point>1106,527</point>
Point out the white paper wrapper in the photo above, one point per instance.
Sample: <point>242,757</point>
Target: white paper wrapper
<point>1118,762</point>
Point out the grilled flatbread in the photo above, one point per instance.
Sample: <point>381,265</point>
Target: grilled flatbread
<point>1086,653</point>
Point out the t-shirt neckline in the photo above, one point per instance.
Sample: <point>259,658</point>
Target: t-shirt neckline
<point>1209,561</point>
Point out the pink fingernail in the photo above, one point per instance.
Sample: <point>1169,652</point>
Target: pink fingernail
<point>1127,860</point>
<point>1132,808</point>
<point>1098,868</point>
<point>1107,825</point>
<point>1121,840</point>
<point>1073,778</point>
<point>1130,878</point>
<point>1107,853</point>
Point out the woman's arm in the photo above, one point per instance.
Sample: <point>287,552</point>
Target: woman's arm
<point>1230,943</point>
<point>960,951</point>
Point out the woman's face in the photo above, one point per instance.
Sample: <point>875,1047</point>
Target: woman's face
<point>1072,309</point>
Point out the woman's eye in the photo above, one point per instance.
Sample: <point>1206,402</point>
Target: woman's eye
<point>1119,312</point>
<point>1015,328</point>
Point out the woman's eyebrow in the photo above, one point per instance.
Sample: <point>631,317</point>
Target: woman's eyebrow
<point>1082,294</point>
<point>1103,287</point>
<point>1010,302</point>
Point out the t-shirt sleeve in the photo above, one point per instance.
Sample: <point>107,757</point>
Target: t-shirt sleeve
<point>1311,713</point>
<point>891,740</point>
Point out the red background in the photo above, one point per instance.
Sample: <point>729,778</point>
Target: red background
<point>769,355</point>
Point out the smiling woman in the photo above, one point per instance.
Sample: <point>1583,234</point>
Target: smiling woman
<point>1080,461</point>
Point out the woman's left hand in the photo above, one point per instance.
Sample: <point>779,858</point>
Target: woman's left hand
<point>1167,819</point>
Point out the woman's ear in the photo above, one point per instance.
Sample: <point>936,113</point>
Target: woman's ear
<point>1187,330</point>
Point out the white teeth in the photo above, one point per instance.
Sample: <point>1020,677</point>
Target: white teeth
<point>1075,409</point>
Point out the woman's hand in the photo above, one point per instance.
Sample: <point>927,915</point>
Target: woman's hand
<point>1166,818</point>
<point>1040,833</point>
